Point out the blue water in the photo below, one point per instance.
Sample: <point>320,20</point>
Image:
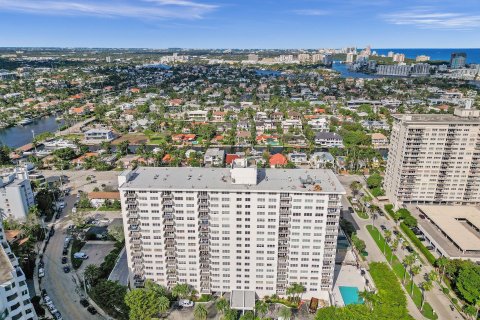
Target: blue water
<point>344,72</point>
<point>159,66</point>
<point>473,55</point>
<point>268,73</point>
<point>18,136</point>
<point>350,295</point>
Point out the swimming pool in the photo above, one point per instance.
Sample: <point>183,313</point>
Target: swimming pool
<point>350,295</point>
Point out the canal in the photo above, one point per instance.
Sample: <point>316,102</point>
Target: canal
<point>18,136</point>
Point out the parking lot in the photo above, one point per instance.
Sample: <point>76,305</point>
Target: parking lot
<point>96,252</point>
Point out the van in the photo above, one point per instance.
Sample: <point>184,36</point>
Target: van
<point>80,255</point>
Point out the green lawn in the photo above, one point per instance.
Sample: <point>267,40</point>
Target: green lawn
<point>362,214</point>
<point>400,272</point>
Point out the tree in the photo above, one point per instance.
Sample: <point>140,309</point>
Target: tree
<point>358,243</point>
<point>222,305</point>
<point>374,181</point>
<point>145,303</point>
<point>65,154</point>
<point>432,276</point>
<point>468,283</point>
<point>200,312</point>
<point>441,263</point>
<point>414,270</point>
<point>407,262</point>
<point>116,231</point>
<point>230,314</point>
<point>425,286</point>
<point>355,186</point>
<point>285,313</point>
<point>110,296</point>
<point>295,290</point>
<point>91,274</point>
<point>261,308</point>
<point>181,291</point>
<point>369,297</point>
<point>5,155</point>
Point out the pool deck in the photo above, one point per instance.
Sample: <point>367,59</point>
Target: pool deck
<point>346,276</point>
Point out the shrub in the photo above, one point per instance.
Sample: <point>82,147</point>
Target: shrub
<point>418,243</point>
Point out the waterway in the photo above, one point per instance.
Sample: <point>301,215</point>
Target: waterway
<point>18,136</point>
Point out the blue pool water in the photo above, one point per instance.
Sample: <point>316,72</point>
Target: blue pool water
<point>350,295</point>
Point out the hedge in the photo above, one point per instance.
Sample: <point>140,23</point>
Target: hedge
<point>418,243</point>
<point>389,209</point>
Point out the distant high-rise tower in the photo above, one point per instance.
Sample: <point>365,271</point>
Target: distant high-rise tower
<point>458,60</point>
<point>350,57</point>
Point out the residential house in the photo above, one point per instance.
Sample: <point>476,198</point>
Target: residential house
<point>298,158</point>
<point>97,199</point>
<point>375,125</point>
<point>328,140</point>
<point>291,123</point>
<point>320,124</point>
<point>99,135</point>
<point>277,160</point>
<point>214,157</point>
<point>320,160</point>
<point>197,115</point>
<point>379,141</point>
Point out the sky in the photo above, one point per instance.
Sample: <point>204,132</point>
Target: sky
<point>240,23</point>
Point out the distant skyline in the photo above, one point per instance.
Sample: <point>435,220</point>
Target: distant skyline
<point>280,24</point>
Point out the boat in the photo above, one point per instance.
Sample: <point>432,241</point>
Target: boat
<point>60,144</point>
<point>25,121</point>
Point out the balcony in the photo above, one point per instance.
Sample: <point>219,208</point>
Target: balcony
<point>133,221</point>
<point>135,247</point>
<point>131,202</point>
<point>134,227</point>
<point>167,202</point>
<point>168,210</point>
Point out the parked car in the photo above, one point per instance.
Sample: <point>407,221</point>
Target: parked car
<point>84,303</point>
<point>409,249</point>
<point>395,232</point>
<point>92,310</point>
<point>44,293</point>
<point>80,255</point>
<point>57,315</point>
<point>66,269</point>
<point>65,252</point>
<point>185,303</point>
<point>64,260</point>
<point>52,231</point>
<point>430,248</point>
<point>383,227</point>
<point>41,273</point>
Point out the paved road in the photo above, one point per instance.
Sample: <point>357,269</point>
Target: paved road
<point>60,286</point>
<point>435,297</point>
<point>374,253</point>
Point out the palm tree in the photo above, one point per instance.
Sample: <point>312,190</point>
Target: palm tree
<point>181,291</point>
<point>200,312</point>
<point>388,237</point>
<point>394,248</point>
<point>91,274</point>
<point>296,289</point>
<point>285,313</point>
<point>441,263</point>
<point>163,304</point>
<point>414,270</point>
<point>261,308</point>
<point>432,276</point>
<point>248,315</point>
<point>425,286</point>
<point>230,314</point>
<point>407,262</point>
<point>369,297</point>
<point>222,305</point>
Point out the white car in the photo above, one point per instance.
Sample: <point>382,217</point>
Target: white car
<point>185,303</point>
<point>80,255</point>
<point>41,273</point>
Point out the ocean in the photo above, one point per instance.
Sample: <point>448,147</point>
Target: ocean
<point>473,55</point>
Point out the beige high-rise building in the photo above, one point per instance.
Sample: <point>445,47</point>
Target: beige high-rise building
<point>241,229</point>
<point>350,57</point>
<point>434,159</point>
<point>304,57</point>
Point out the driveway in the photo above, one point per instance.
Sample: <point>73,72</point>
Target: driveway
<point>60,286</point>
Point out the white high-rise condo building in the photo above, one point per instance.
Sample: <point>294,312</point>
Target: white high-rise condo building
<point>221,229</point>
<point>16,195</point>
<point>14,297</point>
<point>435,158</point>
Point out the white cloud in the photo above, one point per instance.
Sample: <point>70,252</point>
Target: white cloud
<point>427,18</point>
<point>150,9</point>
<point>311,12</point>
